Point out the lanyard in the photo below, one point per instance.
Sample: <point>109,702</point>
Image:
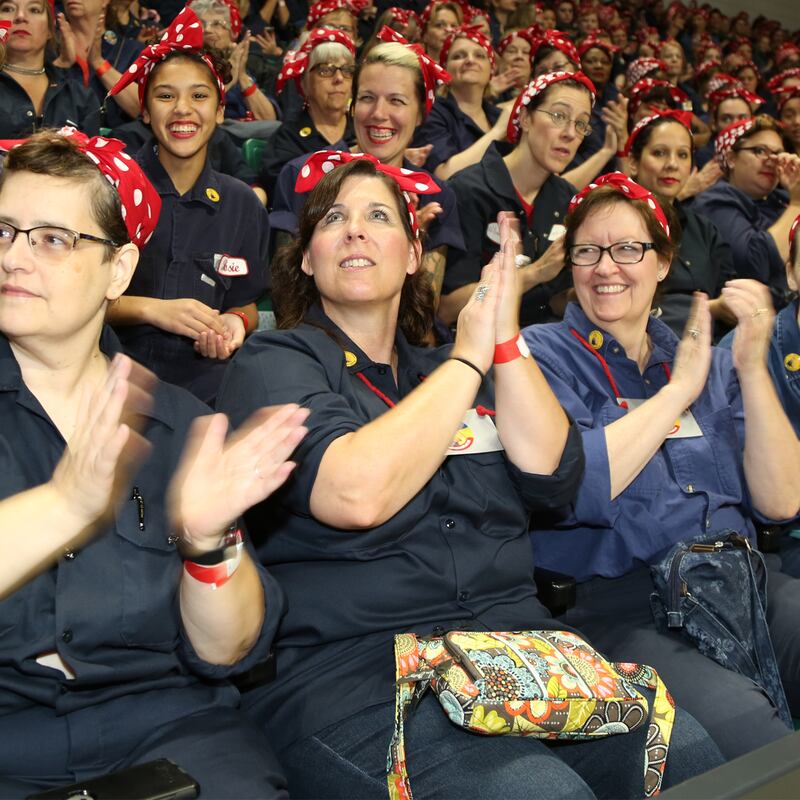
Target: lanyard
<point>482,411</point>
<point>607,370</point>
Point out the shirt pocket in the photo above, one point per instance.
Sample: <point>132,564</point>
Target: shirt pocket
<point>150,576</point>
<point>199,280</point>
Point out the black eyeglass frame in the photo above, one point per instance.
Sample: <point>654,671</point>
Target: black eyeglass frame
<point>646,247</point>
<point>76,235</point>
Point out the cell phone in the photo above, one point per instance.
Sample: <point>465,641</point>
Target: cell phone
<point>155,780</point>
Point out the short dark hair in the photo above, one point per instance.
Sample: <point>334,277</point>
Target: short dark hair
<point>49,153</point>
<point>294,292</point>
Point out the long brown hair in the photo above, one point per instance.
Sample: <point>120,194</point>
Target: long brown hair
<point>294,292</point>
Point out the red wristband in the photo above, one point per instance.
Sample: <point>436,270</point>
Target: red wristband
<point>218,573</point>
<point>102,69</point>
<point>251,89</point>
<point>510,350</point>
<point>243,317</point>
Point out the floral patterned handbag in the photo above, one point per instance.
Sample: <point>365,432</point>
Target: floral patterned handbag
<point>548,684</point>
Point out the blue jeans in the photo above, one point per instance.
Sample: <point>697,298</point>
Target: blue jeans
<point>348,760</point>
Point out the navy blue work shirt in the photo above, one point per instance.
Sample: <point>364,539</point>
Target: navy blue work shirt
<point>483,190</point>
<point>703,263</point>
<point>744,223</point>
<point>690,487</point>
<point>444,230</point>
<point>456,555</point>
<point>218,216</point>
<point>66,102</point>
<point>450,130</point>
<point>111,609</point>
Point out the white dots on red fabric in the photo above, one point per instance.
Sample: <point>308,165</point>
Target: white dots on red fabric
<point>305,171</point>
<point>137,197</point>
<point>121,164</point>
<point>420,187</point>
<point>328,166</point>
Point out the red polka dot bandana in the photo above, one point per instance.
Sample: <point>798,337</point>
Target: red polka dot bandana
<point>471,14</point>
<point>139,201</point>
<point>5,27</point>
<point>322,162</point>
<point>641,91</point>
<point>236,18</point>
<point>720,81</point>
<point>728,137</point>
<point>536,87</point>
<point>528,34</point>
<point>325,7</point>
<point>185,33</point>
<point>295,63</point>
<point>707,66</point>
<point>559,41</point>
<point>425,17</point>
<point>601,44</point>
<point>641,67</point>
<point>775,83</point>
<point>474,34</point>
<point>783,95</point>
<point>405,16</point>
<point>684,117</point>
<point>786,50</point>
<point>433,75</point>
<point>626,187</point>
<point>734,92</point>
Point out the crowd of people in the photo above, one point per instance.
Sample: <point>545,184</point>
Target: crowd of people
<point>326,323</point>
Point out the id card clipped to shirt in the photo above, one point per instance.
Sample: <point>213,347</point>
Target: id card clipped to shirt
<point>685,426</point>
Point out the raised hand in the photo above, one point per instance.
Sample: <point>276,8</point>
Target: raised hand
<point>693,358</point>
<point>750,302</point>
<point>217,480</point>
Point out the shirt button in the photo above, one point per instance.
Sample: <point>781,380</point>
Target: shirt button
<point>708,522</point>
<point>29,113</point>
<point>69,555</point>
<point>615,349</point>
<point>66,636</point>
<point>556,214</point>
<point>438,630</point>
<point>173,539</point>
<point>688,263</point>
<point>463,596</point>
<point>690,488</point>
<point>449,524</point>
<point>381,370</point>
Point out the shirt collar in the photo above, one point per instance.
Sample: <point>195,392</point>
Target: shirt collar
<point>11,379</point>
<point>206,189</point>
<point>662,339</point>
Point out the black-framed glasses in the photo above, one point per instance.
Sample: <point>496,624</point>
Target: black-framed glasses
<point>48,242</point>
<point>587,255</point>
<point>562,120</point>
<point>760,151</point>
<point>329,70</point>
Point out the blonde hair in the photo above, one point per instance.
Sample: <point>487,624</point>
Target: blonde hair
<point>394,54</point>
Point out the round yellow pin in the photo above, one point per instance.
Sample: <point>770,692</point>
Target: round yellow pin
<point>305,131</point>
<point>596,339</point>
<point>792,362</point>
<point>212,195</point>
<point>350,359</point>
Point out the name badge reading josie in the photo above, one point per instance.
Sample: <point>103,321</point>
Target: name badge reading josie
<point>231,266</point>
<point>477,434</point>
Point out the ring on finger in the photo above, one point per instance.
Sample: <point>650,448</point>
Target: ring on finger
<point>759,311</point>
<point>481,292</point>
<point>694,333</point>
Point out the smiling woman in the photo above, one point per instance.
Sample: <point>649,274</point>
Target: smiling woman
<point>32,93</point>
<point>192,300</point>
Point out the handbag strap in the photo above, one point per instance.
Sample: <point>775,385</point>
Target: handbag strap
<point>659,729</point>
<point>407,663</point>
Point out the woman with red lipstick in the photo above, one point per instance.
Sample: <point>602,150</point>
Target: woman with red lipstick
<point>549,121</point>
<point>390,524</point>
<point>756,203</point>
<point>193,297</point>
<point>659,152</point>
<point>651,482</point>
<point>33,93</point>
<point>439,20</point>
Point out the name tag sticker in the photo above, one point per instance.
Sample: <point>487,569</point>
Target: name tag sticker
<point>231,266</point>
<point>556,232</point>
<point>206,279</point>
<point>685,426</point>
<point>477,434</point>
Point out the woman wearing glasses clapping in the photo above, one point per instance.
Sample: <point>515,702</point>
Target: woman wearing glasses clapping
<point>548,122</point>
<point>683,443</point>
<point>755,205</point>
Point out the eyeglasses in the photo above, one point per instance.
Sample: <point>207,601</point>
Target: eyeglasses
<point>216,24</point>
<point>562,120</point>
<point>760,151</point>
<point>348,29</point>
<point>587,255</point>
<point>329,70</point>
<point>46,242</point>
